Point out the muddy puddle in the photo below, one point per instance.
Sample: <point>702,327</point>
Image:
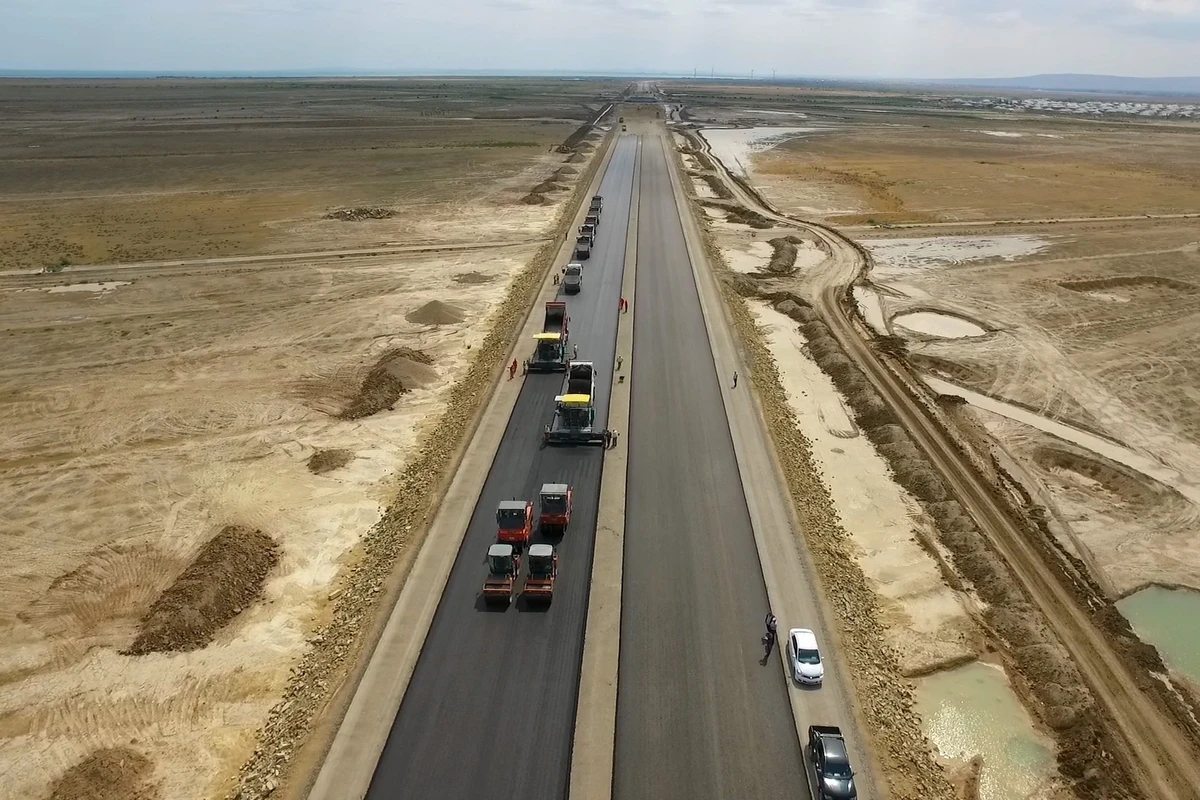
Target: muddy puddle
<point>972,711</point>
<point>735,146</point>
<point>901,257</point>
<point>1167,619</point>
<point>943,326</point>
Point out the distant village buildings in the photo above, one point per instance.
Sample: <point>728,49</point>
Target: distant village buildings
<point>1089,107</point>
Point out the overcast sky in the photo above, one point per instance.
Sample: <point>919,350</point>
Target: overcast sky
<point>879,38</point>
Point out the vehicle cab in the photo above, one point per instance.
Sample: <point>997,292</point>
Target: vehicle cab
<point>557,501</point>
<point>514,518</point>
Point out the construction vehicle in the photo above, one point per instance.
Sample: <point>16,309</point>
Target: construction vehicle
<point>557,502</point>
<point>572,280</point>
<point>593,220</point>
<point>583,249</point>
<point>574,412</point>
<point>597,204</point>
<point>514,518</point>
<point>504,565</point>
<point>543,570</point>
<point>550,352</point>
<point>829,764</point>
<point>589,231</point>
<point>620,119</point>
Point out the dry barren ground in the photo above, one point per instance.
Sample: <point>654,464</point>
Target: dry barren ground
<point>191,452</point>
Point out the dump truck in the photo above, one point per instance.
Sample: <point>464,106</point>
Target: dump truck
<point>550,352</point>
<point>597,204</point>
<point>514,518</point>
<point>504,565</point>
<point>589,231</point>
<point>557,502</point>
<point>828,762</point>
<point>572,280</point>
<point>574,410</point>
<point>593,220</point>
<point>543,570</point>
<point>583,248</point>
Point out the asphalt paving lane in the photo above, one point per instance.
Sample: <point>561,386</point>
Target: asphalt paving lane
<point>490,709</point>
<point>699,715</point>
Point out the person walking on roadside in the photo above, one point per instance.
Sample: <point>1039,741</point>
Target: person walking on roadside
<point>512,370</point>
<point>735,380</point>
<point>575,352</point>
<point>614,437</point>
<point>620,360</point>
<point>607,438</point>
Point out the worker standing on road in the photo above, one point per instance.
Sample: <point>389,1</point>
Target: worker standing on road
<point>512,370</point>
<point>619,362</point>
<point>575,351</point>
<point>614,437</point>
<point>735,380</point>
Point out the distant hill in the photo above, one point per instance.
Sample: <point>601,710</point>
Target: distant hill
<point>1082,83</point>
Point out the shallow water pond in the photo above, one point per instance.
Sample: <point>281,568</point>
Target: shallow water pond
<point>1168,619</point>
<point>972,711</point>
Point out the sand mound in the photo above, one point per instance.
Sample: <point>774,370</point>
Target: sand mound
<point>360,214</point>
<point>567,171</point>
<point>473,278</point>
<point>114,773</point>
<point>548,185</point>
<point>534,199</point>
<point>741,283</point>
<point>576,158</point>
<point>223,580</point>
<point>398,371</point>
<point>435,312</point>
<point>324,461</point>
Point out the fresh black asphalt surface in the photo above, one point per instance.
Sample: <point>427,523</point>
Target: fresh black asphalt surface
<point>490,709</point>
<point>698,716</point>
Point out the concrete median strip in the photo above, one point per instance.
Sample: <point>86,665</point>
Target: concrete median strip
<point>349,764</point>
<point>596,712</point>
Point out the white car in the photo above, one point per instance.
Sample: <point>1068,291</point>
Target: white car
<point>805,657</point>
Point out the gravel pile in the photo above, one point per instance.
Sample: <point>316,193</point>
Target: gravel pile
<point>333,648</point>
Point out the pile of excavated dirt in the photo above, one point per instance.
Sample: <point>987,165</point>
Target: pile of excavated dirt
<point>473,278</point>
<point>360,214</point>
<point>1128,282</point>
<point>534,199</point>
<point>114,773</point>
<point>221,582</point>
<point>718,186</point>
<point>566,171</point>
<point>549,185</point>
<point>977,376</point>
<point>388,547</point>
<point>324,461</point>
<point>396,372</point>
<point>745,216</point>
<point>576,158</point>
<point>435,312</point>
<point>783,255</point>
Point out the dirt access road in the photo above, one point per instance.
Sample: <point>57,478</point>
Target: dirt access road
<point>1160,759</point>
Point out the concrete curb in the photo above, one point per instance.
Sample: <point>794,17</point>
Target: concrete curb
<point>772,517</point>
<point>594,744</point>
<point>349,764</point>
